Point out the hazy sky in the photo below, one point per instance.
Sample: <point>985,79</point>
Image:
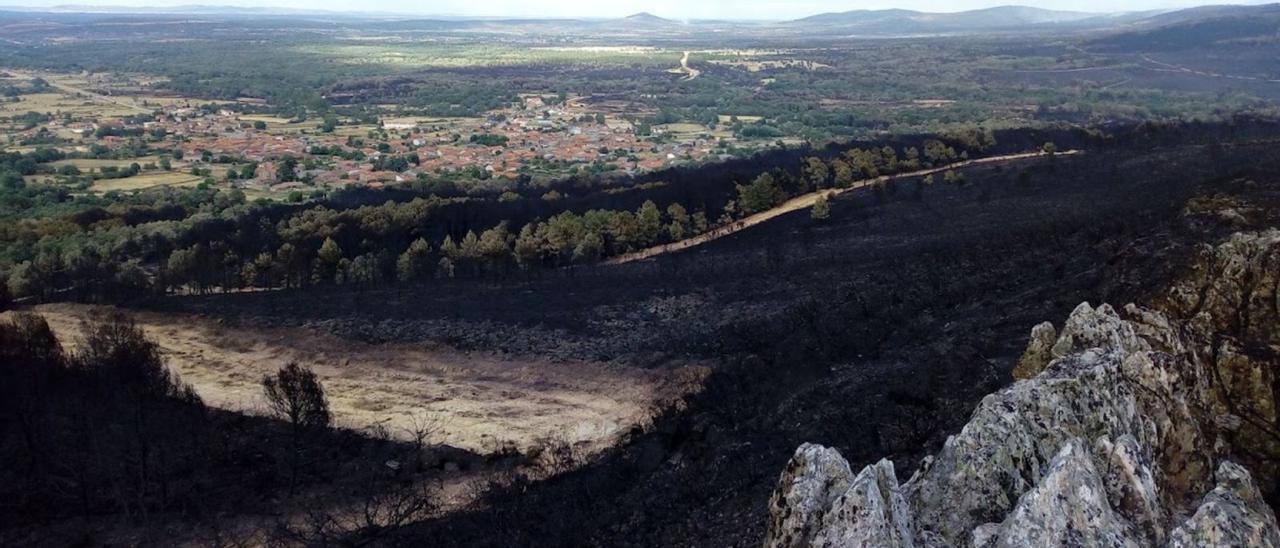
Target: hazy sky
<point>675,9</point>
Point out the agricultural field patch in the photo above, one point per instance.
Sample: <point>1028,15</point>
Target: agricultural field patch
<point>410,56</point>
<point>145,180</point>
<point>85,164</point>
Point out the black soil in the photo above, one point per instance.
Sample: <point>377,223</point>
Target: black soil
<point>876,331</point>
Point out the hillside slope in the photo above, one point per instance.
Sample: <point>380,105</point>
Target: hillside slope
<point>1198,28</point>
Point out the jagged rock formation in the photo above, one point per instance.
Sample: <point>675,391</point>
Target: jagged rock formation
<point>1039,352</point>
<point>1233,514</point>
<point>1125,432</point>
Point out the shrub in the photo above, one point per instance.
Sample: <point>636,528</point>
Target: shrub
<point>294,393</point>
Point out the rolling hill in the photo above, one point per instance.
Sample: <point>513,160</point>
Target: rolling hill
<point>1200,27</point>
<point>898,21</point>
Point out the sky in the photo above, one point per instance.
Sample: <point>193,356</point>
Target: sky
<point>674,9</point>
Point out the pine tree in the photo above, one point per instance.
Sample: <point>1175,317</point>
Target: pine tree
<point>763,193</point>
<point>330,253</point>
<point>495,247</point>
<point>649,219</point>
<point>528,247</point>
<point>589,249</point>
<point>679,227</point>
<point>816,171</point>
<point>413,263</point>
<point>449,249</point>
<point>821,209</point>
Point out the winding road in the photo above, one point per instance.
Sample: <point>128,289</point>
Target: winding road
<point>689,72</point>
<point>1167,67</point>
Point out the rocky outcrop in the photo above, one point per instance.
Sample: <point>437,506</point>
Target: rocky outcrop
<point>814,479</point>
<point>1234,289</point>
<point>1123,433</point>
<point>1039,352</point>
<point>1233,514</point>
<point>871,512</point>
<point>1068,506</point>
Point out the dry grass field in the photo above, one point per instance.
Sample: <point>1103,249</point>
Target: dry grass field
<point>145,180</point>
<point>59,102</point>
<point>277,125</point>
<point>85,164</point>
<point>479,401</point>
<point>684,131</point>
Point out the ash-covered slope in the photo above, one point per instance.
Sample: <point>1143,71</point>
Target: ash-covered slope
<point>1151,428</point>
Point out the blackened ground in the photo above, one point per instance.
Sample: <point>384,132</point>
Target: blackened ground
<point>875,332</point>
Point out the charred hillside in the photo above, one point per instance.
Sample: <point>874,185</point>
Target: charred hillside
<point>874,332</point>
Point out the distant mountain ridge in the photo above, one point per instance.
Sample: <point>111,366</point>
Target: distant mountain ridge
<point>1163,28</point>
<point>893,21</point>
<point>995,15</point>
<point>646,17</point>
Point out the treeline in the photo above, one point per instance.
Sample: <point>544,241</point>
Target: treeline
<point>92,432</point>
<point>219,242</point>
<point>208,240</point>
<point>233,245</point>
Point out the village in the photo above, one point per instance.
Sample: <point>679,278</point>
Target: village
<point>235,144</point>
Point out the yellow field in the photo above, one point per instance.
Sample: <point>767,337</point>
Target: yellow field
<point>269,119</point>
<point>277,125</point>
<point>725,119</point>
<point>681,127</point>
<point>157,100</point>
<point>480,400</point>
<point>31,148</point>
<point>357,131</point>
<point>254,193</point>
<point>150,179</point>
<point>63,103</point>
<point>686,131</point>
<point>39,179</point>
<point>85,164</point>
<point>425,120</point>
<point>74,93</point>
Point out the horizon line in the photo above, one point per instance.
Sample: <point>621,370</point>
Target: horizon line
<point>285,10</point>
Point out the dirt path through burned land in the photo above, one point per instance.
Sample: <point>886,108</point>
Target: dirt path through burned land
<point>475,401</point>
<point>806,201</point>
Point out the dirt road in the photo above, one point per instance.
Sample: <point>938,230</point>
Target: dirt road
<point>1167,67</point>
<point>805,201</point>
<point>689,72</point>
